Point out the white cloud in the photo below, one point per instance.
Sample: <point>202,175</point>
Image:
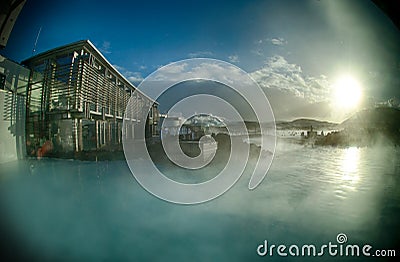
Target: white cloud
<point>292,93</point>
<point>262,44</point>
<point>105,47</point>
<point>200,54</point>
<point>204,69</point>
<point>277,73</point>
<point>134,77</point>
<point>257,52</point>
<point>279,41</point>
<point>119,68</point>
<point>175,68</point>
<point>233,58</point>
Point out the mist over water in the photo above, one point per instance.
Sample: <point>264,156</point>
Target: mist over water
<point>76,210</point>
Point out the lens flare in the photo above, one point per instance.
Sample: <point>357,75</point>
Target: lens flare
<point>142,166</point>
<point>347,92</point>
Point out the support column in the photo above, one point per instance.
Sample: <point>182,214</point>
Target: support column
<point>80,138</point>
<point>75,136</point>
<point>97,134</point>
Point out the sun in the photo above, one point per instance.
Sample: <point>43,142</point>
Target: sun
<point>347,92</point>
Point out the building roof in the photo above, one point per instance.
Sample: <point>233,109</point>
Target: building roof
<point>92,48</point>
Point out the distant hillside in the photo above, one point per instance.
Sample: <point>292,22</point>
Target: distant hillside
<point>370,127</point>
<point>304,123</point>
<point>381,117</point>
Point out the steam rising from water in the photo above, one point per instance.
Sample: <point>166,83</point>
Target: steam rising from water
<point>76,210</point>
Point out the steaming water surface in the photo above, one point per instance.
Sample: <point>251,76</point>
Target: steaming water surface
<point>60,209</point>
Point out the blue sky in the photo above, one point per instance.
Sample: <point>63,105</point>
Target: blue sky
<point>295,49</point>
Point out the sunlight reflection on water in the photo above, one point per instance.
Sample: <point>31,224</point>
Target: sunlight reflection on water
<point>87,210</point>
<point>350,163</point>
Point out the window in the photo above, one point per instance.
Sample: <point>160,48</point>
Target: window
<point>2,81</point>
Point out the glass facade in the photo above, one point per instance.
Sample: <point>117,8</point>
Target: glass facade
<point>76,102</point>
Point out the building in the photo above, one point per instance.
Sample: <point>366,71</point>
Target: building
<point>9,13</point>
<point>13,85</point>
<point>76,102</point>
